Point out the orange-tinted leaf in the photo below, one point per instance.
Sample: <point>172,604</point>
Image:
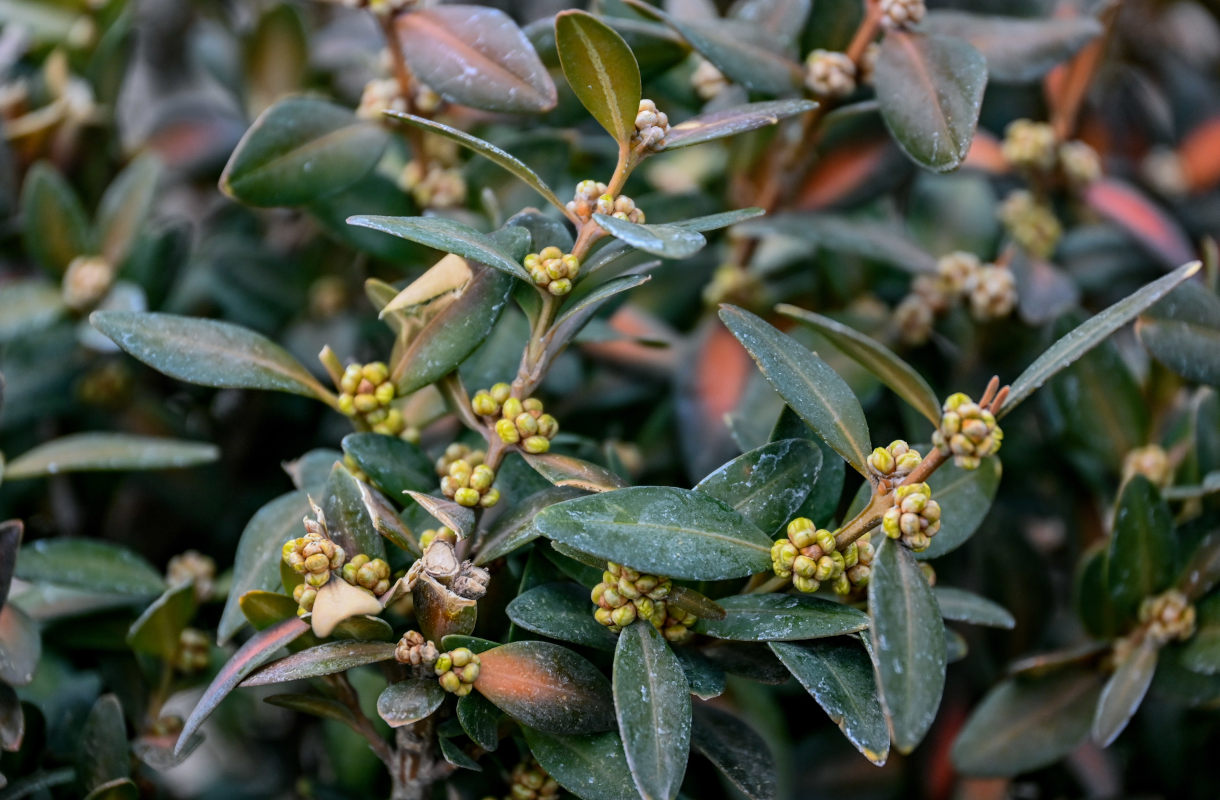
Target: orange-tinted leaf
<point>546,686</point>
<point>1125,206</point>
<point>1199,155</point>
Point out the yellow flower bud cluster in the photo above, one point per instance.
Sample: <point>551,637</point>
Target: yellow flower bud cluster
<point>810,557</point>
<point>192,652</point>
<point>457,670</point>
<point>968,431</point>
<point>365,393</point>
<point>368,573</point>
<point>914,518</point>
<point>470,486</point>
<point>553,270</point>
<point>1031,224</point>
<point>625,595</point>
<point>458,452</point>
<point>443,534</point>
<point>1167,617</point>
<point>895,461</point>
<point>314,556</point>
<point>1033,147</point>
<point>379,95</point>
<point>1151,461</point>
<point>989,289</point>
<point>520,421</point>
<point>531,782</point>
<point>593,197</point>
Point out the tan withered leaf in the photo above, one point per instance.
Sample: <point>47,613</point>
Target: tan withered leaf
<point>447,275</point>
<point>337,601</point>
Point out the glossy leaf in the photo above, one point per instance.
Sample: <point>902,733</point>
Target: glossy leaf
<point>475,56</point>
<point>156,631</point>
<point>28,306</point>
<point>479,719</point>
<point>561,611</point>
<point>20,646</point>
<point>207,352</point>
<point>488,151</point>
<point>546,686</point>
<point>1143,548</point>
<point>965,498</point>
<point>409,701</point>
<point>667,241</point>
<point>1018,50</point>
<point>652,702</point>
<point>601,70</point>
<point>124,207</point>
<point>346,504</point>
<point>669,531</point>
<point>876,241</point>
<point>1024,724</point>
<point>839,675</point>
<point>1201,653</point>
<point>1089,334</point>
<point>104,756</point>
<point>583,308</point>
<point>258,650</point>
<point>768,484</point>
<point>781,617</point>
<point>1183,333</point>
<point>299,150</point>
<point>55,227</point>
<point>962,606</point>
<point>930,89</point>
<point>325,659</point>
<point>516,527</point>
<point>706,680</point>
<point>87,452</point>
<point>88,564</point>
<point>732,121</point>
<point>878,359</point>
<point>450,236</point>
<point>392,464</point>
<point>256,565</point>
<point>1124,692</point>
<point>908,644</point>
<point>736,750</point>
<point>807,383</point>
<point>564,470</point>
<point>592,767</point>
<point>744,52</point>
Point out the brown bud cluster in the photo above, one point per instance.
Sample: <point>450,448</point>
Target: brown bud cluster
<point>192,567</point>
<point>531,782</point>
<point>433,186</point>
<point>592,197</point>
<point>902,13</point>
<point>416,651</point>
<point>811,557</point>
<point>989,290</point>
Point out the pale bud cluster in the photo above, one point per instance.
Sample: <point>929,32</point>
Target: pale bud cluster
<point>192,567</point>
<point>992,291</point>
<point>1151,461</point>
<point>968,431</point>
<point>531,782</point>
<point>895,461</point>
<point>457,670</point>
<point>416,651</point>
<point>914,518</point>
<point>437,186</point>
<point>192,652</point>
<point>458,452</point>
<point>313,556</point>
<point>829,73</point>
<point>810,557</point>
<point>592,197</point>
<point>552,269</point>
<point>651,126</point>
<point>1032,224</point>
<point>1168,617</point>
<point>469,485</point>
<point>520,421</point>
<point>902,13</point>
<point>1033,147</point>
<point>625,595</point>
<point>366,392</point>
<point>87,280</point>
<point>380,95</point>
<point>989,289</point>
<point>707,80</point>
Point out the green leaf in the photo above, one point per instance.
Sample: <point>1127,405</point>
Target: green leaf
<point>1143,548</point>
<point>839,675</point>
<point>88,564</point>
<point>591,767</point>
<point>665,530</point>
<point>546,686</point>
<point>1201,653</point>
<point>1027,723</point>
<point>930,90</point>
<point>736,750</point>
<point>1124,692</point>
<point>652,701</point>
<point>125,206</point>
<point>456,756</point>
<point>601,70</point>
<point>300,150</point>
<point>318,706</point>
<point>732,121</point>
<point>1183,333</point>
<point>870,239</point>
<point>471,643</point>
<point>409,701</point>
<point>706,680</point>
<point>963,606</point>
<point>1089,334</point>
<point>516,527</point>
<point>256,565</point>
<point>207,352</point>
<point>768,484</point>
<point>20,646</point>
<point>157,630</point>
<point>475,56</point>
<point>1091,594</point>
<point>392,464</point>
<point>451,236</point>
<point>1017,50</point>
<point>11,531</point>
<point>346,503</point>
<point>576,314</point>
<point>878,359</point>
<point>807,383</point>
<point>103,755</point>
<point>480,720</point>
<point>87,452</point>
<point>781,617</point>
<point>457,518</point>
<point>908,644</point>
<point>667,241</point>
<point>744,52</point>
<point>55,228</point>
<point>561,611</point>
<point>564,470</point>
<point>488,151</point>
<point>965,497</point>
<point>28,306</point>
<point>324,659</point>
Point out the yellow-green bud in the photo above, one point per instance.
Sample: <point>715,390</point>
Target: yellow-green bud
<point>510,408</point>
<point>466,497</point>
<point>489,498</point>
<point>536,444</point>
<point>347,405</point>
<point>484,404</point>
<point>526,424</point>
<point>507,431</point>
<point>547,426</point>
<point>365,403</point>
<point>802,532</point>
<point>559,287</point>
<point>501,392</point>
<point>806,585</point>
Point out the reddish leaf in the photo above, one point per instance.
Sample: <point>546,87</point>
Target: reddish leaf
<point>849,174</point>
<point>1199,156</point>
<point>1125,206</point>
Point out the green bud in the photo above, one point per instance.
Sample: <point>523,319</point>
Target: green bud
<point>826,541</point>
<point>450,682</point>
<point>889,523</point>
<point>482,478</point>
<point>501,392</point>
<point>548,253</point>
<point>859,574</point>
<point>536,444</point>
<point>806,585</point>
<point>881,461</point>
<point>804,567</point>
<point>645,607</point>
<point>532,262</point>
<point>317,579</point>
<point>602,615</point>
<point>547,426</point>
<point>559,287</point>
<point>347,404</point>
<point>376,372</point>
<point>461,656</point>
<point>624,615</point>
<point>384,393</point>
<point>510,408</point>
<point>825,569</point>
<point>489,498</point>
<point>469,673</point>
<point>365,403</point>
<point>466,497</point>
<point>842,585</point>
<point>507,431</point>
<point>484,404</point>
<point>572,265</point>
<point>526,424</point>
<point>802,532</point>
<point>460,471</point>
<point>627,589</point>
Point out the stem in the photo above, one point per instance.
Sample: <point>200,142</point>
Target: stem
<point>363,725</point>
<point>772,584</point>
<point>402,73</point>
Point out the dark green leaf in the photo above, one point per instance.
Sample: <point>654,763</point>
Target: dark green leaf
<point>11,531</point>
<point>325,659</point>
<point>346,503</point>
<point>1201,653</point>
<point>471,643</point>
<point>781,617</point>
<point>669,531</point>
<point>908,644</point>
<point>88,564</point>
<point>744,52</point>
<point>409,701</point>
<point>561,611</point>
<point>767,485</point>
<point>450,236</point>
<point>310,472</point>
<point>1123,693</point>
<point>732,121</point>
<point>1183,333</point>
<point>965,497</point>
<point>601,70</point>
<point>735,749</point>
<point>475,56</point>
<point>207,352</point>
<point>930,89</point>
<point>878,359</point>
<point>546,686</point>
<point>480,720</point>
<point>1024,724</point>
<point>456,755</point>
<point>20,646</point>
<point>299,150</point>
<point>84,452</point>
<point>962,606</point>
<point>124,207</point>
<point>585,307</point>
<point>667,241</point>
<point>103,754</point>
<point>810,387</point>
<point>652,701</point>
<point>28,306</point>
<point>876,241</point>
<point>706,680</point>
<point>55,227</point>
<point>591,767</point>
<point>316,705</point>
<point>839,675</point>
<point>157,630</point>
<point>392,464</point>
<point>1091,594</point>
<point>1143,548</point>
<point>1017,50</point>
<point>1088,335</point>
<point>516,527</point>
